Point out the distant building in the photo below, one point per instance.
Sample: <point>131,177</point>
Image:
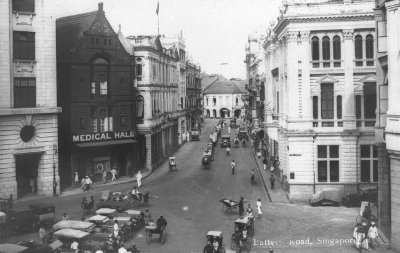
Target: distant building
<point>28,99</point>
<point>222,99</point>
<point>321,96</point>
<point>193,94</point>
<point>95,83</point>
<point>387,128</point>
<point>158,111</point>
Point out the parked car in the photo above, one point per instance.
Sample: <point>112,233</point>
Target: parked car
<point>369,194</point>
<point>45,213</point>
<point>195,136</point>
<point>225,141</point>
<point>327,197</point>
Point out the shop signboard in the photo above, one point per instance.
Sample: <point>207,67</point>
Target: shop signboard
<point>104,136</point>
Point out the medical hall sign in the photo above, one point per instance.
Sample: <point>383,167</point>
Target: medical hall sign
<point>106,136</point>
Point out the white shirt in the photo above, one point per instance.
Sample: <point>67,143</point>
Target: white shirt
<point>116,228</point>
<point>373,232</point>
<point>139,176</point>
<point>233,164</point>
<point>74,245</point>
<point>259,205</point>
<point>99,251</point>
<point>122,250</point>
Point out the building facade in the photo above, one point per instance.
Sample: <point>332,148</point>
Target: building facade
<point>223,99</point>
<point>387,128</point>
<point>193,95</point>
<point>321,88</point>
<point>158,113</point>
<point>95,87</point>
<point>28,99</point>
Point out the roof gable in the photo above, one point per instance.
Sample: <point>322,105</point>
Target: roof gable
<point>223,87</point>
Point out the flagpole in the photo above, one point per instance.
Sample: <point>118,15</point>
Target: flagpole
<point>158,24</point>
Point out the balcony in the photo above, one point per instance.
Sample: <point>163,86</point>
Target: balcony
<point>22,67</point>
<point>326,64</point>
<point>23,18</point>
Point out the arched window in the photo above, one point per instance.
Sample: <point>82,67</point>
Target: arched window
<point>140,107</point>
<point>337,54</point>
<point>358,49</point>
<point>326,48</point>
<point>315,48</point>
<point>369,49</point>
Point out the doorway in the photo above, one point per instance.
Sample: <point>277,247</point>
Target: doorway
<point>238,113</point>
<point>26,172</point>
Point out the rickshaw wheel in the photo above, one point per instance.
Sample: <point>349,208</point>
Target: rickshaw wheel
<point>163,236</point>
<point>148,237</point>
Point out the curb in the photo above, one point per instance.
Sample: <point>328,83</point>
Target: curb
<point>261,176</point>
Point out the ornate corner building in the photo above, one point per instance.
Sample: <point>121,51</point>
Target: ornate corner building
<point>28,100</point>
<point>321,91</point>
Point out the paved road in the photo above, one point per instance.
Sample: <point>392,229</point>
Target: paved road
<point>189,200</point>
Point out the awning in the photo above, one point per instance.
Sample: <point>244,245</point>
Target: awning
<point>105,143</point>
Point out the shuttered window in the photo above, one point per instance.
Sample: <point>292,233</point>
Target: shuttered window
<point>24,92</point>
<point>327,101</point>
<point>24,46</point>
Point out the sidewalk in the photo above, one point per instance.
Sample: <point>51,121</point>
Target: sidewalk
<point>277,194</point>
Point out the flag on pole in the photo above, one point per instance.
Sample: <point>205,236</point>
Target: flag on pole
<point>158,7</point>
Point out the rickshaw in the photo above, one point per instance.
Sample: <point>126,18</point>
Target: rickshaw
<point>225,141</point>
<point>65,237</point>
<point>100,222</point>
<point>210,146</point>
<point>242,236</point>
<point>136,217</point>
<point>172,163</point>
<point>212,237</point>
<point>117,201</point>
<point>108,212</point>
<point>229,205</point>
<point>151,229</point>
<point>236,143</point>
<point>195,135</point>
<point>206,162</point>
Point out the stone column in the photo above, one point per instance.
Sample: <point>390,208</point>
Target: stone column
<point>148,105</point>
<point>292,86</point>
<point>148,152</point>
<point>305,77</point>
<point>349,116</point>
<point>383,189</point>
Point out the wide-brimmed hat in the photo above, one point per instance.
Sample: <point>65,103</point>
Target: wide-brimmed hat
<point>372,223</point>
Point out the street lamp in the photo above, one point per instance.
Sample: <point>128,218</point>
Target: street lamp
<point>55,151</point>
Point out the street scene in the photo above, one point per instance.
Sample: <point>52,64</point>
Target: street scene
<point>199,126</point>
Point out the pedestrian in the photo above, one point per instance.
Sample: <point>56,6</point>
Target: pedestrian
<point>139,179</point>
<point>259,155</point>
<point>241,207</point>
<point>265,163</point>
<point>87,184</point>
<point>373,235</point>
<point>216,245</point>
<point>229,129</point>
<point>259,209</point>
<point>116,228</point>
<point>188,136</point>
<point>272,181</point>
<point>361,239</point>
<point>104,177</point>
<point>75,246</point>
<point>233,165</point>
<point>113,174</point>
<point>76,179</point>
<point>42,235</point>
<point>228,149</point>
<point>249,210</point>
<point>65,217</point>
<point>147,217</point>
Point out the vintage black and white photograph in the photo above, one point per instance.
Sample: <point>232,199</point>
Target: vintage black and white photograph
<point>199,126</point>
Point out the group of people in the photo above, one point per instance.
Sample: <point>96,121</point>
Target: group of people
<point>249,210</point>
<point>365,236</point>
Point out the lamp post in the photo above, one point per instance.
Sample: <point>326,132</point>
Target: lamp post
<point>55,151</point>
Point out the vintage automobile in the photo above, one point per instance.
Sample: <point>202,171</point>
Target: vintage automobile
<point>108,212</point>
<point>152,229</point>
<point>366,194</point>
<point>45,213</point>
<point>65,237</point>
<point>243,134</point>
<point>21,220</point>
<point>242,236</point>
<point>75,224</point>
<point>232,123</point>
<point>195,135</point>
<point>213,236</point>
<point>327,197</point>
<point>211,147</point>
<point>226,141</point>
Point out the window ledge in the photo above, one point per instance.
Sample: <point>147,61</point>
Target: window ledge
<point>23,111</point>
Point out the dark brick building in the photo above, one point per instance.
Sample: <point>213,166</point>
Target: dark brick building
<point>95,89</point>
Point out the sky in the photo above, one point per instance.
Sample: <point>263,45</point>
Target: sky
<point>215,31</point>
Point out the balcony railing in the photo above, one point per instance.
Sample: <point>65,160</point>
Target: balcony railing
<point>365,122</point>
<point>327,123</point>
<point>364,62</point>
<point>327,64</point>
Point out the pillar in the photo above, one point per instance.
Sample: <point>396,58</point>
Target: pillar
<point>305,76</point>
<point>291,99</point>
<point>148,152</point>
<point>383,189</point>
<point>349,115</point>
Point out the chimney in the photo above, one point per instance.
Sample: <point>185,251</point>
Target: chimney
<point>101,6</point>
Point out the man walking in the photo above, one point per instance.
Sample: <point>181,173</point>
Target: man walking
<point>272,181</point>
<point>114,174</point>
<point>139,179</point>
<point>228,149</point>
<point>233,165</point>
<point>373,235</point>
<point>241,207</point>
<point>265,162</point>
<point>259,155</point>
<point>259,209</point>
<point>42,235</point>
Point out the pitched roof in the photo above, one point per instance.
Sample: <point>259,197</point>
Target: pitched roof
<point>208,80</point>
<point>223,87</point>
<point>70,31</point>
<point>240,83</point>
